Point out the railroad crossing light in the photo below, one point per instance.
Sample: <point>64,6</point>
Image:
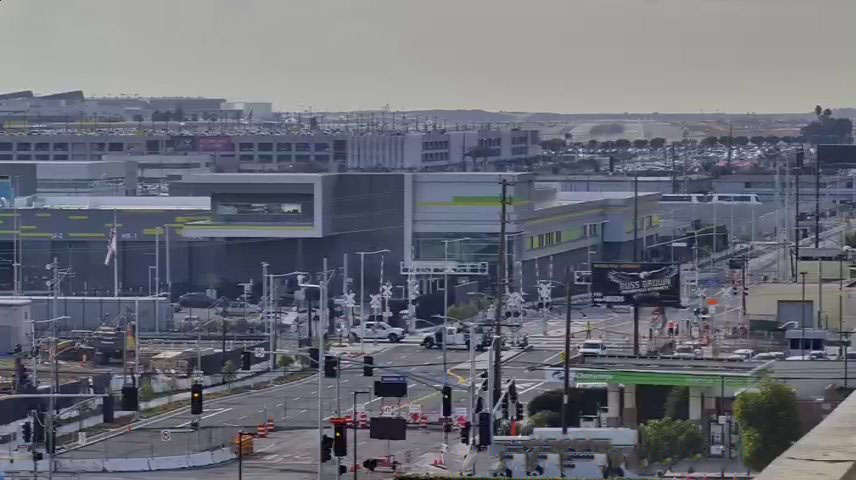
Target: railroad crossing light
<point>196,399</point>
<point>130,399</point>
<point>479,404</point>
<point>331,366</point>
<point>326,446</point>
<point>484,429</point>
<point>512,391</point>
<point>246,359</point>
<point>519,413</point>
<point>313,357</point>
<point>447,401</point>
<point>507,314</point>
<point>368,364</point>
<point>340,440</point>
<point>27,432</point>
<point>505,406</point>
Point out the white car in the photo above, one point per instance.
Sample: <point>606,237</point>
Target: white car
<point>378,330</point>
<point>238,309</point>
<point>813,355</point>
<point>765,356</point>
<point>591,348</point>
<point>688,351</point>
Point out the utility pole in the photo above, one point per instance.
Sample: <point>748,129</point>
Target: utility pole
<point>816,202</point>
<point>635,257</point>
<point>566,363</point>
<point>266,313</point>
<point>799,166</point>
<point>500,292</point>
<point>168,269</point>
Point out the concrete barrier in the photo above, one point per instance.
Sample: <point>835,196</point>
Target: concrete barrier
<point>126,465</point>
<point>79,465</point>
<point>199,459</point>
<point>168,463</point>
<point>222,455</point>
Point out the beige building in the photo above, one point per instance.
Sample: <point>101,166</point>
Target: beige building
<point>781,301</point>
<point>14,323</point>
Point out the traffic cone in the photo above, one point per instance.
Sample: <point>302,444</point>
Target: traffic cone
<point>270,425</point>
<point>439,462</point>
<point>423,421</point>
<point>262,431</point>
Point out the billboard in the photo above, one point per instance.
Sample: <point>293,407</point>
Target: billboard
<point>634,283</point>
<point>215,144</point>
<point>183,143</point>
<point>836,155</point>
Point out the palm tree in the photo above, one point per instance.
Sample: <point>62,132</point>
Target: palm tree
<point>476,152</point>
<point>818,110</point>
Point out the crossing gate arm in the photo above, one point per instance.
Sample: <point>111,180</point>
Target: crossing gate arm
<point>441,267</point>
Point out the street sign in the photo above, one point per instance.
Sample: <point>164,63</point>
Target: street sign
<point>414,408</point>
<point>166,435</point>
<point>387,411</point>
<point>393,379</point>
<point>634,283</point>
<point>259,352</point>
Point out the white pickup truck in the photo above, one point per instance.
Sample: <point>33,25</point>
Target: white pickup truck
<point>379,330</point>
<point>456,336</point>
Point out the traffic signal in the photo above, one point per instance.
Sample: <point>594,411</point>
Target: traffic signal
<point>479,404</point>
<point>447,401</point>
<point>519,411</point>
<point>512,391</point>
<point>368,364</point>
<point>246,359</point>
<point>313,358</point>
<point>326,446</point>
<point>27,432</point>
<point>340,441</point>
<point>107,408</point>
<point>39,428</point>
<point>505,406</point>
<point>465,433</point>
<point>196,399</point>
<point>130,400</point>
<point>484,429</point>
<point>331,366</point>
<point>22,378</point>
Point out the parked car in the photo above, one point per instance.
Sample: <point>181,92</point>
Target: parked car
<point>455,336</point>
<point>688,351</point>
<point>195,300</point>
<point>593,348</point>
<point>238,309</point>
<point>378,330</point>
<point>813,355</point>
<point>766,356</point>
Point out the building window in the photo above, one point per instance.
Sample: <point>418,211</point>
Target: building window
<point>247,158</point>
<point>152,145</point>
<point>61,156</point>
<point>339,156</point>
<point>5,146</point>
<point>322,147</point>
<point>322,158</point>
<point>283,146</point>
<point>95,157</point>
<point>266,147</point>
<point>259,208</point>
<point>98,146</point>
<point>265,158</point>
<point>519,150</point>
<point>43,147</point>
<point>43,156</point>
<point>116,147</point>
<point>340,145</point>
<point>301,147</point>
<point>25,157</point>
<point>60,147</point>
<point>135,147</point>
<point>78,157</point>
<point>283,158</point>
<point>5,156</point>
<point>246,147</point>
<point>302,158</point>
<point>23,147</point>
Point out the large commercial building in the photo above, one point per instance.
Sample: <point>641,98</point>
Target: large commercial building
<point>251,150</point>
<point>71,178</point>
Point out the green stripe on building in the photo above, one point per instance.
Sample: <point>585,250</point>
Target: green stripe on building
<point>86,235</point>
<point>78,217</point>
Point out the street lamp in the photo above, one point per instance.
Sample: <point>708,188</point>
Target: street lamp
<point>363,293</point>
<point>472,338</point>
<point>446,300</point>
<point>355,423</point>
<point>270,307</point>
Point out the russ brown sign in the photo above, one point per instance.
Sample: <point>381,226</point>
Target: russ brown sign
<point>644,284</point>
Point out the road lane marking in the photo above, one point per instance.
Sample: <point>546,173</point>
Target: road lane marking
<point>303,411</point>
<point>345,381</point>
<point>531,388</point>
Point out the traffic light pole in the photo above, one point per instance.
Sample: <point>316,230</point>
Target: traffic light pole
<point>354,423</point>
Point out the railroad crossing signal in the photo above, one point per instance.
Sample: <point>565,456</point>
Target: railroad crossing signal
<point>413,289</point>
<point>386,291</point>
<point>544,291</point>
<point>515,300</point>
<point>375,301</point>
<point>349,300</point>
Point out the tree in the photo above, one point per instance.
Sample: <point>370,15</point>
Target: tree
<point>194,117</point>
<point>622,143</point>
<point>788,139</point>
<point>229,370</point>
<point>678,403</point>
<point>818,110</point>
<point>608,144</point>
<point>726,140</point>
<point>178,114</point>
<point>709,141</point>
<point>768,422</point>
<point>554,145</point>
<point>670,439</point>
<point>592,144</point>
<point>827,129</point>
<point>285,361</point>
<point>138,118</point>
<point>156,116</point>
<point>657,142</point>
<point>772,139</point>
<point>757,140</point>
<point>640,143</point>
<point>741,140</point>
<point>478,151</point>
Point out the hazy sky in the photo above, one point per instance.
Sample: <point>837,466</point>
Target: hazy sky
<point>534,55</point>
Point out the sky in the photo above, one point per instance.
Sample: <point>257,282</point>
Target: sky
<point>569,56</point>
